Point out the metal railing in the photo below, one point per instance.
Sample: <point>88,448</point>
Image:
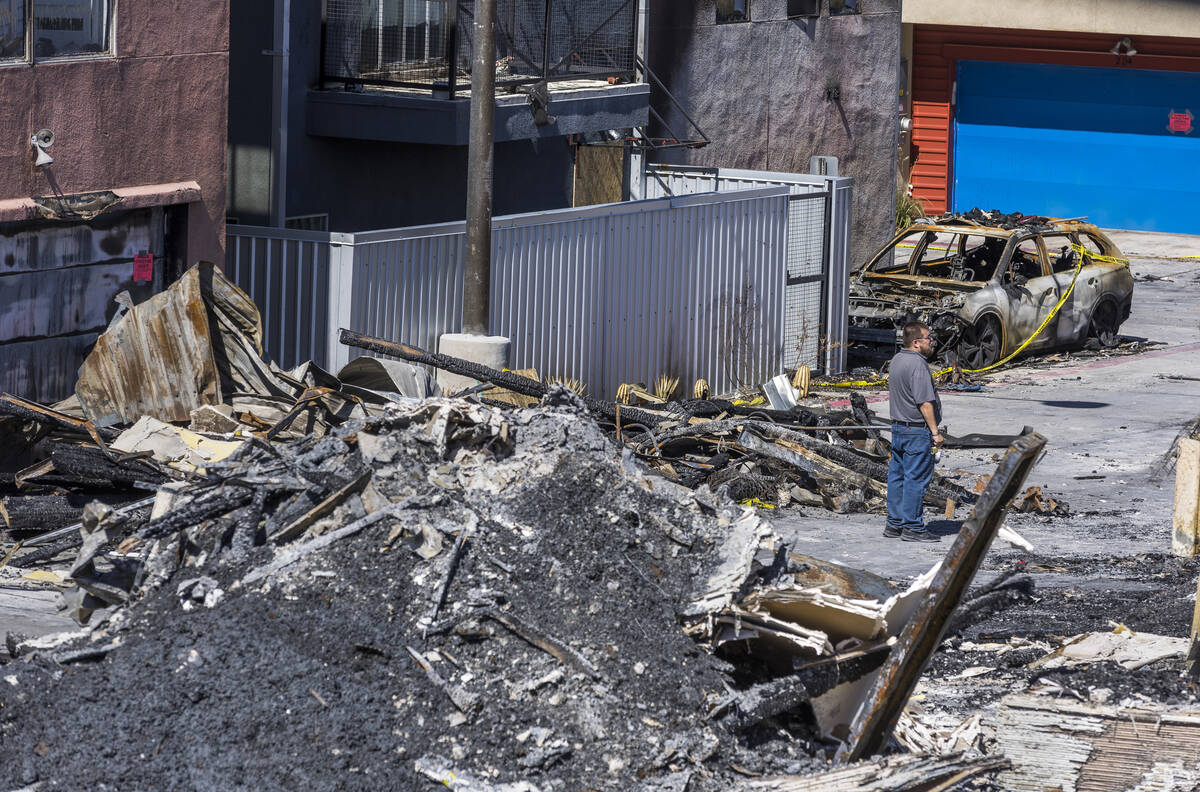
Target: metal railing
<point>427,44</point>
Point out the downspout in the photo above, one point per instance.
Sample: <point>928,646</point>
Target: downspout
<point>279,114</point>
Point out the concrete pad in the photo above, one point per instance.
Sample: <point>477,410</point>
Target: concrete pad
<point>1153,244</point>
<point>490,351</point>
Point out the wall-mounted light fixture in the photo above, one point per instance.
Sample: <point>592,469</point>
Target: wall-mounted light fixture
<point>42,140</point>
<point>1125,44</point>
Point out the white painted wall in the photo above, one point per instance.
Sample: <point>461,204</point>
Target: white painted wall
<point>1177,18</point>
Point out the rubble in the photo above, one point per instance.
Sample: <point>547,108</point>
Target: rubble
<point>356,581</point>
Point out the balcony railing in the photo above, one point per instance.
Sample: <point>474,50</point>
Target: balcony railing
<point>427,44</point>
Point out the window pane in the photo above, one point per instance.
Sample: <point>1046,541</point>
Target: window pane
<point>70,27</point>
<point>12,28</point>
<point>733,11</point>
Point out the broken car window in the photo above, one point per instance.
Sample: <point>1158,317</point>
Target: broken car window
<point>1026,260</point>
<point>1092,245</point>
<point>895,259</point>
<point>1059,251</point>
<point>981,254</point>
<point>940,250</point>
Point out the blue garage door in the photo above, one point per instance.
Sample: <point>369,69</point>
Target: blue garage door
<point>1068,141</point>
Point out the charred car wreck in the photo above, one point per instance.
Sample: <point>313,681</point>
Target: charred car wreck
<point>984,282</point>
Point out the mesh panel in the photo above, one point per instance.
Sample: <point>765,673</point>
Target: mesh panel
<point>405,42</point>
<point>400,42</point>
<point>804,302</point>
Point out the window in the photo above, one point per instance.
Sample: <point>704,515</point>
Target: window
<point>60,28</point>
<point>1026,260</point>
<point>12,29</point>
<point>1058,249</point>
<point>981,254</point>
<point>841,7</point>
<point>733,11</point>
<point>803,8</point>
<point>895,259</point>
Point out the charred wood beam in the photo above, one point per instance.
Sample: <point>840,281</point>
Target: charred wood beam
<point>214,503</point>
<point>936,495</point>
<point>31,411</point>
<point>811,462</point>
<point>504,379</point>
<point>122,515</point>
<point>88,466</point>
<point>756,704</point>
<point>877,716</point>
<point>47,512</point>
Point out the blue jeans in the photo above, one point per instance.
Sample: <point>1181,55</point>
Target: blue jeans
<point>909,473</point>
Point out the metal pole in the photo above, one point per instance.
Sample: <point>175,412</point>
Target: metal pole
<point>279,142</point>
<point>477,285</point>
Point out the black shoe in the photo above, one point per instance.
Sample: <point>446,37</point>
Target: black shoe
<point>917,536</point>
<point>890,532</point>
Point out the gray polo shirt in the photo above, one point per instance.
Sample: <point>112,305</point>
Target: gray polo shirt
<point>909,386</point>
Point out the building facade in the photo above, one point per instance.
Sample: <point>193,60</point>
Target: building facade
<point>125,187</point>
<point>1081,108</point>
<point>775,83</point>
<point>352,115</point>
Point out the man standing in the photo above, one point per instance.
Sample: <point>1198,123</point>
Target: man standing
<point>916,412</point>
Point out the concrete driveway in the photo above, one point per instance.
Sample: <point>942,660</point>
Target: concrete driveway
<point>1108,421</point>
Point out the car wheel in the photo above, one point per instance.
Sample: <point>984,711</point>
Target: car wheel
<point>981,344</point>
<point>1104,324</point>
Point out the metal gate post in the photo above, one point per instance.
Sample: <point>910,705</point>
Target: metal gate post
<point>341,298</point>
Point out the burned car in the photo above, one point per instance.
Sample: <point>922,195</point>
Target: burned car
<point>984,282</point>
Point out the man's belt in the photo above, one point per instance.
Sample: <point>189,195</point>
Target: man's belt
<point>914,424</point>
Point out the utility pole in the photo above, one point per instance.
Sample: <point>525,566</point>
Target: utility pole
<point>477,288</point>
<point>474,343</point>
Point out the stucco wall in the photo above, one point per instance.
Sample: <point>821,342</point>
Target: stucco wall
<point>155,113</point>
<point>757,89</point>
<point>1119,17</point>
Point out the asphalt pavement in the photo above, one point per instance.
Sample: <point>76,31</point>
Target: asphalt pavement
<point>1108,422</point>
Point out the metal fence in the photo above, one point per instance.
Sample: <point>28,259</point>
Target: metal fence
<point>717,286</point>
<point>815,301</point>
<point>428,44</point>
<point>287,273</point>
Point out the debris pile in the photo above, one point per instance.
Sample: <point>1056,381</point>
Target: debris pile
<point>835,459</point>
<point>448,591</point>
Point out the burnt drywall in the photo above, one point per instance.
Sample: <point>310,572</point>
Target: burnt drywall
<point>773,92</point>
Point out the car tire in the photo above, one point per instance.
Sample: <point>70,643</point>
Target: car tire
<point>1104,324</point>
<point>981,345</point>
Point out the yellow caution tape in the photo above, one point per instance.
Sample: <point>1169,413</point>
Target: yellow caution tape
<point>1083,252</point>
<point>757,503</point>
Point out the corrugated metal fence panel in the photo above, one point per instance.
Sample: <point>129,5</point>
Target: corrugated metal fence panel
<point>690,287</point>
<point>286,273</point>
<point>548,283</point>
<point>815,311</point>
<point>408,289</point>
